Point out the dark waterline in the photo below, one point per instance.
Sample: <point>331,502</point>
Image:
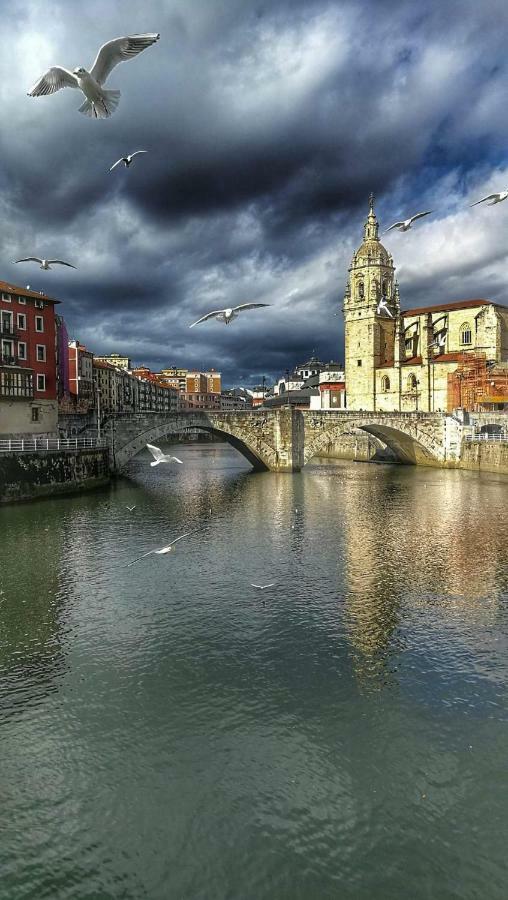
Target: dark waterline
<point>167,731</point>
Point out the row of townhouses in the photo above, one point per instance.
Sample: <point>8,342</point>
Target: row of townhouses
<point>47,379</point>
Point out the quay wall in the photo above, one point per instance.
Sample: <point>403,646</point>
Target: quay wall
<point>485,456</point>
<point>29,476</point>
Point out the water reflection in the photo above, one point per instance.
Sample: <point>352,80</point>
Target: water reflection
<point>292,747</point>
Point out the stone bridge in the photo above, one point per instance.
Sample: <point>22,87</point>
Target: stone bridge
<point>284,439</point>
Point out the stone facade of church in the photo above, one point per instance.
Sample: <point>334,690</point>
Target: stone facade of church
<point>401,360</point>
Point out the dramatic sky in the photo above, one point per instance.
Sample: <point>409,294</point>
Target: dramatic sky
<point>268,122</point>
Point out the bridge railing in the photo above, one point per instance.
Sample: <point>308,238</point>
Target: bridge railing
<point>36,445</point>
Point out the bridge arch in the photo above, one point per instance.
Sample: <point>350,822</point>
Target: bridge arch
<point>409,445</point>
<point>126,446</point>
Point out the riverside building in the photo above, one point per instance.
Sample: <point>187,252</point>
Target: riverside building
<point>28,369</point>
<point>417,359</point>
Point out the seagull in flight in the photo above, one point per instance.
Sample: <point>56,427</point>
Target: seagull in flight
<point>405,224</point>
<point>126,160</point>
<point>227,315</point>
<point>263,587</point>
<point>494,198</point>
<point>160,457</point>
<point>382,307</point>
<point>162,550</point>
<point>131,508</point>
<point>45,263</point>
<point>99,102</point>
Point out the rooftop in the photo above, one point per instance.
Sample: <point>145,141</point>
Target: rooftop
<point>455,304</point>
<point>7,288</point>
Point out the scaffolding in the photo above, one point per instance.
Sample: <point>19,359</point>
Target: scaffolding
<point>477,384</point>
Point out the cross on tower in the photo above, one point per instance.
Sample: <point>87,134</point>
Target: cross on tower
<point>371,201</point>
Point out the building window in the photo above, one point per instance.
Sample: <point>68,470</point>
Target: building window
<point>386,289</point>
<point>21,350</point>
<point>39,324</point>
<point>41,382</point>
<point>465,334</point>
<point>41,352</point>
<point>22,300</point>
<point>358,362</point>
<point>412,383</point>
<point>35,413</point>
<point>22,321</point>
<point>361,290</point>
<point>39,304</point>
<point>6,297</point>
<point>385,383</point>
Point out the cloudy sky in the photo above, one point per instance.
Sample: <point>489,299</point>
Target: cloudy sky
<point>268,122</point>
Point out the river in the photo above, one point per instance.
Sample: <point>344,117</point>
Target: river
<point>169,731</point>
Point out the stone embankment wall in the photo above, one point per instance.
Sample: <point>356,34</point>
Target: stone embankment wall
<point>28,476</point>
<point>485,456</point>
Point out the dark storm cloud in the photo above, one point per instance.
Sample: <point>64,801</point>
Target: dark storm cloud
<point>267,126</point>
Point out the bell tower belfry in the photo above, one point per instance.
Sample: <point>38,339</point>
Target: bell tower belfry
<point>371,310</point>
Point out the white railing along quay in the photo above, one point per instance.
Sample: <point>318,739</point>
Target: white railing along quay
<point>28,445</point>
<point>485,436</point>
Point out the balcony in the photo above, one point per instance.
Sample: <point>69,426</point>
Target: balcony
<point>6,360</point>
<point>8,331</point>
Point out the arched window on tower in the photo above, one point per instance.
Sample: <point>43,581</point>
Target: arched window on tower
<point>386,288</point>
<point>465,334</point>
<point>385,383</point>
<point>361,290</point>
<point>412,383</point>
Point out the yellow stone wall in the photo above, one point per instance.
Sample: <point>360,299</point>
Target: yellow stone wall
<point>374,339</point>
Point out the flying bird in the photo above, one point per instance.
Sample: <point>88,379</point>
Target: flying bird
<point>405,224</point>
<point>45,263</point>
<point>494,198</point>
<point>130,508</point>
<point>227,315</point>
<point>160,457</point>
<point>126,160</point>
<point>262,587</point>
<point>383,307</point>
<point>162,550</point>
<point>99,103</point>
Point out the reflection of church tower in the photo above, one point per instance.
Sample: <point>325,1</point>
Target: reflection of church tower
<point>371,295</point>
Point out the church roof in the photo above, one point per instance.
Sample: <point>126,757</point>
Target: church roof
<point>444,307</point>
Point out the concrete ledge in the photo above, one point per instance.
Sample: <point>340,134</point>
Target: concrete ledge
<point>29,476</point>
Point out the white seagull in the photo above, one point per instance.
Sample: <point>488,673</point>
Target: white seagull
<point>126,160</point>
<point>227,315</point>
<point>162,550</point>
<point>262,587</point>
<point>160,457</point>
<point>99,103</point>
<point>383,307</point>
<point>494,198</point>
<point>45,263</point>
<point>405,224</point>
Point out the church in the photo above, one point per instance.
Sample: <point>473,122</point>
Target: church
<point>431,359</point>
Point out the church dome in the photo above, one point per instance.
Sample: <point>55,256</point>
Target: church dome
<point>371,249</point>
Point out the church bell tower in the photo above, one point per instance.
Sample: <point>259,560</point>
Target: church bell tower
<point>371,310</point>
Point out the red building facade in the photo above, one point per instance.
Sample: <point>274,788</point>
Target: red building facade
<point>28,362</point>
